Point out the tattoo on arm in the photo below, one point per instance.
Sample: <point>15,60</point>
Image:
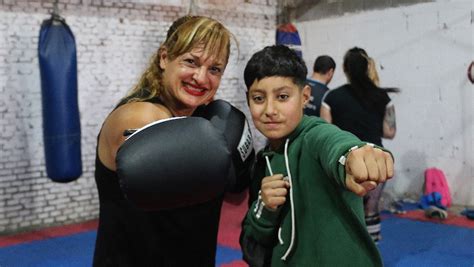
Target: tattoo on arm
<point>390,117</point>
<point>129,132</point>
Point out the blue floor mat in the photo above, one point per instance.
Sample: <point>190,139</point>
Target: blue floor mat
<point>73,251</point>
<point>68,251</point>
<point>415,243</point>
<point>227,255</point>
<point>406,243</point>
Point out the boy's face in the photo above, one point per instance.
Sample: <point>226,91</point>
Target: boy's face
<point>276,105</point>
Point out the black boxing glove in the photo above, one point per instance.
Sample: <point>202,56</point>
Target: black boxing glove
<point>234,125</point>
<point>173,163</point>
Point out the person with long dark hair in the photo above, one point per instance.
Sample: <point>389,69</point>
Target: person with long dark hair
<point>364,109</point>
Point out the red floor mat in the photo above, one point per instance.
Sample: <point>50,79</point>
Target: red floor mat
<point>48,233</point>
<point>233,211</point>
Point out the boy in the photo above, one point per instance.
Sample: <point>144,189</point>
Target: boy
<point>305,204</point>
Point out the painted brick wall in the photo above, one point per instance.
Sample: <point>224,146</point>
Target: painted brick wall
<point>114,41</point>
<point>425,50</point>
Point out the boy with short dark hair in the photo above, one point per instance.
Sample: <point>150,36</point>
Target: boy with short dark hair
<point>305,204</point>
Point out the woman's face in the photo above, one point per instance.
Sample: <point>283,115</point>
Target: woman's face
<point>191,79</point>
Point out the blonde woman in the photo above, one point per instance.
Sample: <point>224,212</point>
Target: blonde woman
<point>184,73</point>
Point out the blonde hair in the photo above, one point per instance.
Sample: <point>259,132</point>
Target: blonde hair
<point>185,34</point>
<point>372,71</point>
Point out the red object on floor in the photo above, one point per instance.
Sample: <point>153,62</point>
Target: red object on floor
<point>239,263</point>
<point>453,219</point>
<point>48,233</point>
<point>233,211</point>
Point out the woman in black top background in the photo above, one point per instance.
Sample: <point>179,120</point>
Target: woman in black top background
<point>364,109</point>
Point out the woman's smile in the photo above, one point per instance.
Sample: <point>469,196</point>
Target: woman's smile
<point>194,90</point>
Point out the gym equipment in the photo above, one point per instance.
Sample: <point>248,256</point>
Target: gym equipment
<point>61,122</point>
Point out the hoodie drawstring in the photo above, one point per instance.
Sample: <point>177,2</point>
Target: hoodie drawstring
<point>269,166</point>
<point>292,208</point>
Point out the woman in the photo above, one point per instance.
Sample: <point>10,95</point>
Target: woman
<point>184,73</point>
<point>364,109</point>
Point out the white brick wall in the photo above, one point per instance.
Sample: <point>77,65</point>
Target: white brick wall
<point>425,50</point>
<point>114,41</point>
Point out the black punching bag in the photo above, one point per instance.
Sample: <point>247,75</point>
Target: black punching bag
<point>61,124</point>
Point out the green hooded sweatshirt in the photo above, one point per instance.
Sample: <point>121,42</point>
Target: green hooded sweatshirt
<point>321,222</point>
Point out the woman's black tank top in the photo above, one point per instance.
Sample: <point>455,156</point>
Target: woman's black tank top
<point>127,236</point>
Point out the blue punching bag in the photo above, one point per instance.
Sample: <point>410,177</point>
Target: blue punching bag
<point>61,124</point>
<point>288,35</point>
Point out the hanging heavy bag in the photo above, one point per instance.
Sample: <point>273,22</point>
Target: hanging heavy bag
<point>288,35</point>
<point>61,125</point>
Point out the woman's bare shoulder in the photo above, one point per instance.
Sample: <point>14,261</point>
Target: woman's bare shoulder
<point>132,116</point>
<point>137,114</point>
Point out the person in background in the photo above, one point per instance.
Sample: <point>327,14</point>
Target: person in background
<point>372,71</point>
<point>323,71</point>
<point>364,109</point>
<point>184,74</point>
<point>305,204</point>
